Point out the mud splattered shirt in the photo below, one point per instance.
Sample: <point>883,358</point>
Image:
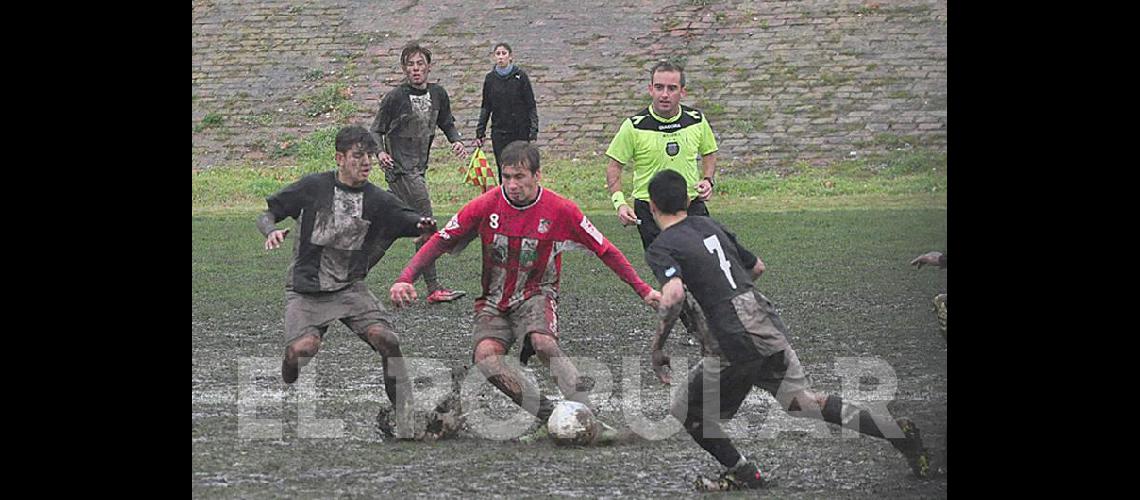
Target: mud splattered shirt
<point>717,271</point>
<point>406,124</point>
<point>522,246</point>
<point>343,231</point>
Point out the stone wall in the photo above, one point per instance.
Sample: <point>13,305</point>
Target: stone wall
<point>781,81</point>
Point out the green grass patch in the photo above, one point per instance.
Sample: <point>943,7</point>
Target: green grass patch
<point>828,78</point>
<point>316,151</point>
<point>712,108</point>
<point>445,26</point>
<point>211,120</point>
<point>858,251</point>
<point>260,120</point>
<point>330,99</point>
<point>912,177</point>
<point>313,75</point>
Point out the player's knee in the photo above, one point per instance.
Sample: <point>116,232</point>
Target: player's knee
<point>385,341</point>
<point>304,347</point>
<point>488,348</point>
<point>545,345</point>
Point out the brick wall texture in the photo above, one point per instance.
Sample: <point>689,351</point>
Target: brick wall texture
<point>781,81</point>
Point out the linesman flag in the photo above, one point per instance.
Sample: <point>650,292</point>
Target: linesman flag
<point>479,172</point>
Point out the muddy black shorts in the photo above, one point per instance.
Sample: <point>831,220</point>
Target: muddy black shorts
<point>728,384</point>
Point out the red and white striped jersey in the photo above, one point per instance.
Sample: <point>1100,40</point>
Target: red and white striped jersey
<point>522,246</point>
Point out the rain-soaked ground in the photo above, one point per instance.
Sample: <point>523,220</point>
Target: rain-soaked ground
<point>860,321</point>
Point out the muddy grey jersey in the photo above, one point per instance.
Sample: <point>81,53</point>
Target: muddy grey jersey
<point>716,270</point>
<point>343,230</point>
<point>406,124</point>
<point>706,256</point>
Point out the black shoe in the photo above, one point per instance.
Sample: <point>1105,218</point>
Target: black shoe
<point>911,447</point>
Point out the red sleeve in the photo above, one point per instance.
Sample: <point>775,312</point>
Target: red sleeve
<point>435,247</point>
<point>460,229</point>
<point>586,234</point>
<point>616,261</point>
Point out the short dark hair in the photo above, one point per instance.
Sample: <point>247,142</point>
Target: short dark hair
<point>352,135</point>
<point>667,66</point>
<point>504,45</point>
<point>412,48</point>
<point>521,153</point>
<point>669,192</point>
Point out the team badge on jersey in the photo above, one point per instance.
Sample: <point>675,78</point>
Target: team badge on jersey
<point>591,230</point>
<point>452,225</point>
<point>673,148</point>
<point>543,226</point>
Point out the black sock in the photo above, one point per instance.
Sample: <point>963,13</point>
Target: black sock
<point>720,448</point>
<point>852,417</point>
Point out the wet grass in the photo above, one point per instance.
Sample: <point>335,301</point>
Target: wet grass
<point>911,179</point>
<point>840,278</point>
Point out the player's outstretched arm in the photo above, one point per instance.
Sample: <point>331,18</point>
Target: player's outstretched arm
<point>616,261</point>
<point>402,292</point>
<point>758,269</point>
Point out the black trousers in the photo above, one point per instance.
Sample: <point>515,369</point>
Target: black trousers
<point>499,141</point>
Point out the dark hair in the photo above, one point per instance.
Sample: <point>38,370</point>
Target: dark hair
<point>504,45</point>
<point>412,48</point>
<point>669,192</point>
<point>352,135</point>
<point>521,153</point>
<point>667,66</point>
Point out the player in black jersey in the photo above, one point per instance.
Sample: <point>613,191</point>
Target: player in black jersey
<point>745,344</point>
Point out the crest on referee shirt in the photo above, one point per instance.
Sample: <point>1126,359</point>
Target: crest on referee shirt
<point>673,148</point>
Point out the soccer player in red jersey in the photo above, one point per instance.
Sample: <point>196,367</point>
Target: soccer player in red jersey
<point>524,229</point>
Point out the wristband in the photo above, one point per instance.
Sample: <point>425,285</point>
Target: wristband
<point>618,198</point>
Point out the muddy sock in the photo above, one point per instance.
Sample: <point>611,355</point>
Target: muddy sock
<point>399,390</point>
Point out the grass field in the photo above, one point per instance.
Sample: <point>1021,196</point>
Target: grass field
<point>901,178</point>
<point>837,269</point>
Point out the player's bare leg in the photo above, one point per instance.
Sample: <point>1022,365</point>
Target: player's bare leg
<point>298,354</point>
<point>901,433</point>
<point>489,358</point>
<point>564,372</point>
<point>396,382</point>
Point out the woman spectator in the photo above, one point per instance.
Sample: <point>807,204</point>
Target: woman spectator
<point>508,100</point>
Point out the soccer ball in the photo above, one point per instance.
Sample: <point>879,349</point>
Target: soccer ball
<point>572,423</point>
